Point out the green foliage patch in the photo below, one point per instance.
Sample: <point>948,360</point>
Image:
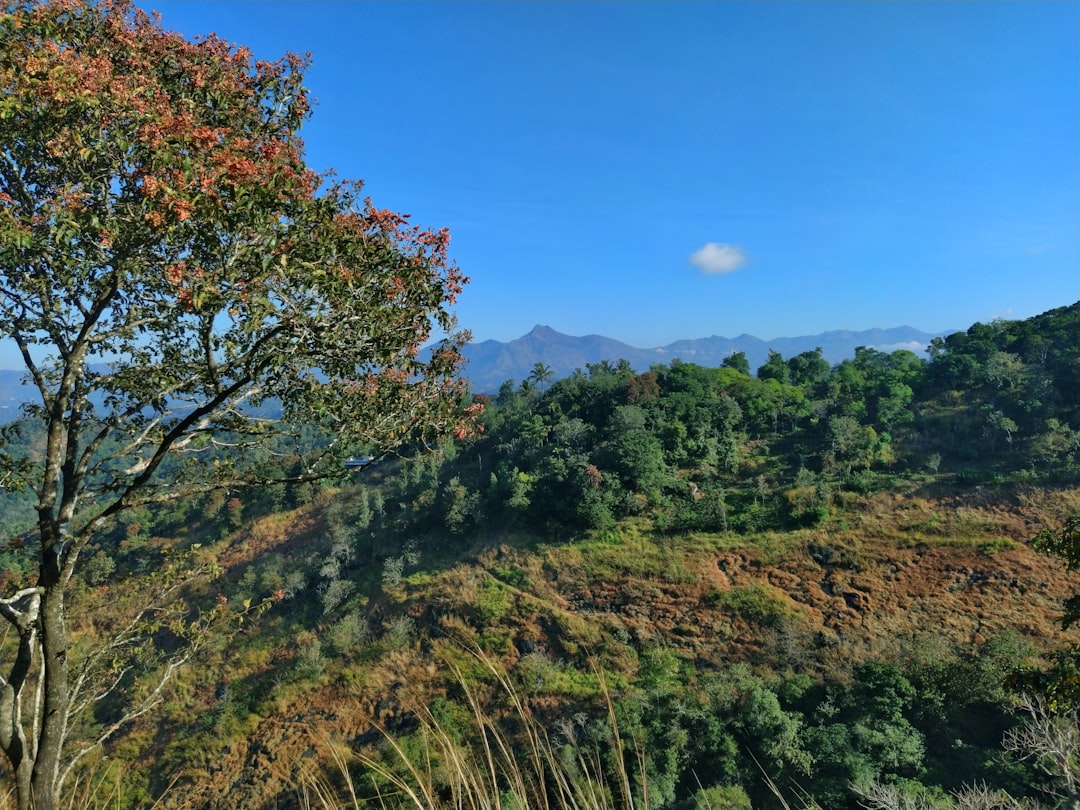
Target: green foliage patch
<point>759,603</point>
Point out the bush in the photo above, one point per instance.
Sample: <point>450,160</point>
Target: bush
<point>722,797</point>
<point>759,603</point>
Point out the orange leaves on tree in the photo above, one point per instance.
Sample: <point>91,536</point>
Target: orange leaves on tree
<point>174,274</point>
<point>186,154</point>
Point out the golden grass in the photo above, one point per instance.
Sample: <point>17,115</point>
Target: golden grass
<point>479,766</point>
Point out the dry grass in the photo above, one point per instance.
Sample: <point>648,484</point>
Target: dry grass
<point>99,787</point>
<point>480,767</point>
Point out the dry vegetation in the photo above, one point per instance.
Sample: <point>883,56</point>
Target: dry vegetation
<point>819,600</point>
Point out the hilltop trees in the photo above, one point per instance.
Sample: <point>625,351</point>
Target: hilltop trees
<point>541,375</point>
<point>706,448</point>
<point>1018,380</point>
<point>183,290</point>
<point>737,361</point>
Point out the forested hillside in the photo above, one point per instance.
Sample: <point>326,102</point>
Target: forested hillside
<point>728,583</point>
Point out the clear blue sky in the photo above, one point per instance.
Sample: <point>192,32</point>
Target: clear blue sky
<point>656,171</point>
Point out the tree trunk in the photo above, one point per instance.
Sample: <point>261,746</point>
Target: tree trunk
<point>13,737</point>
<point>54,711</point>
<point>14,748</point>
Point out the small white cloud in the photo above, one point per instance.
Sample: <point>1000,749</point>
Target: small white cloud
<point>716,259</point>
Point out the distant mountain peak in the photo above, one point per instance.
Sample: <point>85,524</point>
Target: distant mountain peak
<point>492,362</point>
<point>542,331</point>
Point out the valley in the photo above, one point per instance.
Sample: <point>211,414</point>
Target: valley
<point>678,545</point>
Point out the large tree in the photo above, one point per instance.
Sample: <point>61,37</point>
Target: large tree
<point>183,289</point>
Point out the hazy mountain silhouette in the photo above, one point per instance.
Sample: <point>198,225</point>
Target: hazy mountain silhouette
<point>492,362</point>
<point>12,394</point>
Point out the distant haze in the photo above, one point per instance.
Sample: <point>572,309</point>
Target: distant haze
<point>492,362</point>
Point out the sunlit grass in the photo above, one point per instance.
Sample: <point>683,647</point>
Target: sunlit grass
<point>469,757</point>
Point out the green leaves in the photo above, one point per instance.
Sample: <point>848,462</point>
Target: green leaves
<point>1064,543</point>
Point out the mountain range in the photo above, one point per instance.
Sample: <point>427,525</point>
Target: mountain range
<point>492,362</point>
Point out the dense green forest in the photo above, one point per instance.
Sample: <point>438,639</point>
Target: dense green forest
<point>717,449</point>
<point>396,588</point>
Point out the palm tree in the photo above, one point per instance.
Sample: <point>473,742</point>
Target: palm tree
<point>541,374</point>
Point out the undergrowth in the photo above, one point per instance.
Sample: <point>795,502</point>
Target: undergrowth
<point>468,757</point>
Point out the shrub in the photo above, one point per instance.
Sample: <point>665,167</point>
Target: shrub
<point>760,603</point>
<point>722,797</point>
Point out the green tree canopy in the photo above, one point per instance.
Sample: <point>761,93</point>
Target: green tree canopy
<point>737,361</point>
<point>774,368</point>
<point>1065,543</point>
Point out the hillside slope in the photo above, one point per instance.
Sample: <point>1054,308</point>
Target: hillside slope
<point>822,571</point>
<point>913,574</point>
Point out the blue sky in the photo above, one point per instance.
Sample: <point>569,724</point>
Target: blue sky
<point>656,171</point>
